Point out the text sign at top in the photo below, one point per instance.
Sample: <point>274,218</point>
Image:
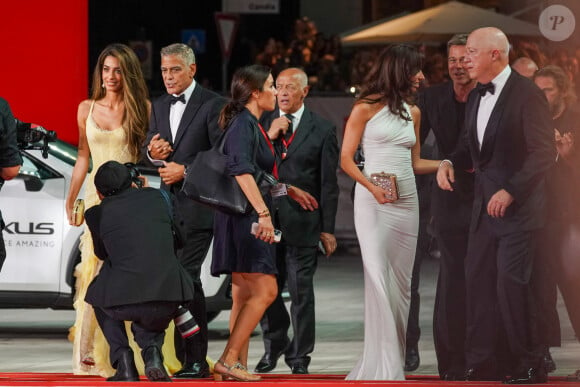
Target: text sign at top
<point>251,6</point>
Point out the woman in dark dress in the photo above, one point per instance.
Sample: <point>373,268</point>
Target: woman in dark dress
<point>248,258</point>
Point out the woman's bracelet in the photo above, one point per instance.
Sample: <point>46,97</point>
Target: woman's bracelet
<point>264,213</point>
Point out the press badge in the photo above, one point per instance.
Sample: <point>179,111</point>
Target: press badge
<point>279,190</point>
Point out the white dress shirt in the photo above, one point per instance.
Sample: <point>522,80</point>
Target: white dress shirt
<point>488,101</point>
<point>297,116</point>
<point>176,110</point>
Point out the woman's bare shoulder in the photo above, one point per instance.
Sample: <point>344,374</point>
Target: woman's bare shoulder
<point>369,105</point>
<point>84,108</point>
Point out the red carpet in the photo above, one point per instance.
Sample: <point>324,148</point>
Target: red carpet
<point>316,380</point>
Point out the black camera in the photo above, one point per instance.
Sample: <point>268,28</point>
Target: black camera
<point>135,173</point>
<point>36,137</point>
<point>185,323</point>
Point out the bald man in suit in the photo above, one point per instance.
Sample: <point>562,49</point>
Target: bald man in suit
<point>508,141</point>
<point>307,151</point>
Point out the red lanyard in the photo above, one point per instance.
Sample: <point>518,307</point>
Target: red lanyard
<point>271,146</point>
<point>287,143</point>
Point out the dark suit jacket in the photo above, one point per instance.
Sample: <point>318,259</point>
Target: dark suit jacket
<point>564,178</point>
<point>517,150</point>
<point>441,114</point>
<point>131,233</point>
<point>310,164</point>
<point>198,131</point>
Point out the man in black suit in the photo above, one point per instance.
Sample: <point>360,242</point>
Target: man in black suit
<point>443,112</point>
<point>183,123</point>
<point>304,210</point>
<point>558,263</point>
<point>141,279</point>
<point>509,142</point>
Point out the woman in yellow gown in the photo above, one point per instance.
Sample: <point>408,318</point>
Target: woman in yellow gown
<point>112,126</point>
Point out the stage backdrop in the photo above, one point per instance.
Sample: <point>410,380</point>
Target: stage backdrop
<point>44,62</point>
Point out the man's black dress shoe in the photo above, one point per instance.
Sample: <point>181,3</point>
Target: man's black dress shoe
<point>125,369</point>
<point>412,359</point>
<point>475,374</point>
<point>549,363</point>
<point>453,376</point>
<point>154,368</point>
<point>299,369</point>
<point>528,376</point>
<point>197,370</point>
<point>267,363</point>
<point>575,377</point>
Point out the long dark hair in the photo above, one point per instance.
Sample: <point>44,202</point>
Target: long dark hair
<point>244,82</point>
<point>135,93</point>
<point>390,78</point>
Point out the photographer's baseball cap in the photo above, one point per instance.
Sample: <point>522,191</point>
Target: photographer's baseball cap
<point>112,177</point>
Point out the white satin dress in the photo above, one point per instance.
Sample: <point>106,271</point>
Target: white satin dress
<point>387,234</point>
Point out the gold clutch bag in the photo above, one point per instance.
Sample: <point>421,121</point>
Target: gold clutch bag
<point>79,212</point>
<point>388,182</point>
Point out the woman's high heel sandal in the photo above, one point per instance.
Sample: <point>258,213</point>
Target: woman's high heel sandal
<point>237,372</point>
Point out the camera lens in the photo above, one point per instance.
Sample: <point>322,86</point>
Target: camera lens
<point>185,323</point>
<point>134,172</point>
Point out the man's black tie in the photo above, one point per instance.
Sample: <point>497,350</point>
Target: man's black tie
<point>180,98</point>
<point>288,134</point>
<point>485,87</point>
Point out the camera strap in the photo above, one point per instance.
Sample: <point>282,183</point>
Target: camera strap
<point>177,240</point>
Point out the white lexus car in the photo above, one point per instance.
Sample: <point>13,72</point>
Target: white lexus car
<point>42,248</point>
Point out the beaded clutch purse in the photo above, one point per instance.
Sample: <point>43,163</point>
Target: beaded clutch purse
<point>388,182</point>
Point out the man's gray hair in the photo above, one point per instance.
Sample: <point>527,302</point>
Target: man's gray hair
<point>457,40</point>
<point>181,50</point>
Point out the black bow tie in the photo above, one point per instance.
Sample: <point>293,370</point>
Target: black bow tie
<point>180,98</point>
<point>484,88</point>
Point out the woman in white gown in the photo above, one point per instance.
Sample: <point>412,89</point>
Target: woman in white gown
<point>385,123</point>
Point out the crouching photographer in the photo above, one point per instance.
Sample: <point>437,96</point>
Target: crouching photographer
<point>141,279</point>
<point>10,159</point>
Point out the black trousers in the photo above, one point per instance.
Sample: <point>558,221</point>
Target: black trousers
<point>558,266</point>
<point>449,310</point>
<point>297,266</point>
<point>424,184</point>
<point>499,303</point>
<point>191,256</point>
<point>149,321</point>
<point>544,285</point>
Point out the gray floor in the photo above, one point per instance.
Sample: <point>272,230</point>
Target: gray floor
<point>35,340</point>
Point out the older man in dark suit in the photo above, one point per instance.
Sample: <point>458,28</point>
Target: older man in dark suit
<point>509,142</point>
<point>443,112</point>
<point>305,210</point>
<point>141,279</point>
<point>183,123</point>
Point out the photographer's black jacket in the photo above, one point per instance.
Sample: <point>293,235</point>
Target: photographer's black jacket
<point>132,234</point>
<point>9,153</point>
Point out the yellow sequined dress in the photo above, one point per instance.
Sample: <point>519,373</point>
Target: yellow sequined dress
<point>89,344</point>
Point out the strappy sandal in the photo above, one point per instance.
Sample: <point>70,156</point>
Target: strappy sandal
<point>235,372</point>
